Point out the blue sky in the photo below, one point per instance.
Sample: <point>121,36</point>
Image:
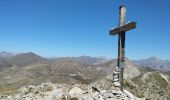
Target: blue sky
<point>54,28</point>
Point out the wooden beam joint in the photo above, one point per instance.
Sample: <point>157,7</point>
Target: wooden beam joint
<point>124,28</point>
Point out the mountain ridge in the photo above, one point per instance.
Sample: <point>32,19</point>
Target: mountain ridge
<point>37,70</point>
<point>154,63</point>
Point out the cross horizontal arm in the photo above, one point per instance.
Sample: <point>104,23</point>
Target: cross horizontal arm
<point>123,28</point>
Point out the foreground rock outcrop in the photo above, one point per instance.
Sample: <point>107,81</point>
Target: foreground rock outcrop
<point>49,91</point>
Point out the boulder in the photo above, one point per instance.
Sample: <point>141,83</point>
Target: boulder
<point>75,91</point>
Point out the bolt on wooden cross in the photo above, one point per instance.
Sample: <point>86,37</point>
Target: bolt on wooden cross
<point>123,27</point>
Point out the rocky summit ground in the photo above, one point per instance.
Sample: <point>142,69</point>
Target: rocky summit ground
<point>49,91</point>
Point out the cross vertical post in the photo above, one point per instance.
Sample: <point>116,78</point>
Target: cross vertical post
<point>121,31</point>
<point>121,45</point>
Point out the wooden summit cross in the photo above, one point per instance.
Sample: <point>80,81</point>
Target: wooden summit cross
<point>123,27</point>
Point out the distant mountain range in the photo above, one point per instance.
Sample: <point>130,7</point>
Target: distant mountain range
<point>17,70</point>
<point>29,68</point>
<point>86,59</point>
<point>9,59</point>
<point>154,63</point>
<point>25,59</point>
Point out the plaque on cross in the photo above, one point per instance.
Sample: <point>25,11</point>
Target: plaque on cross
<point>120,31</point>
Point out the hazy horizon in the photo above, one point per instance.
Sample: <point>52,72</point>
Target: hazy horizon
<point>50,57</point>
